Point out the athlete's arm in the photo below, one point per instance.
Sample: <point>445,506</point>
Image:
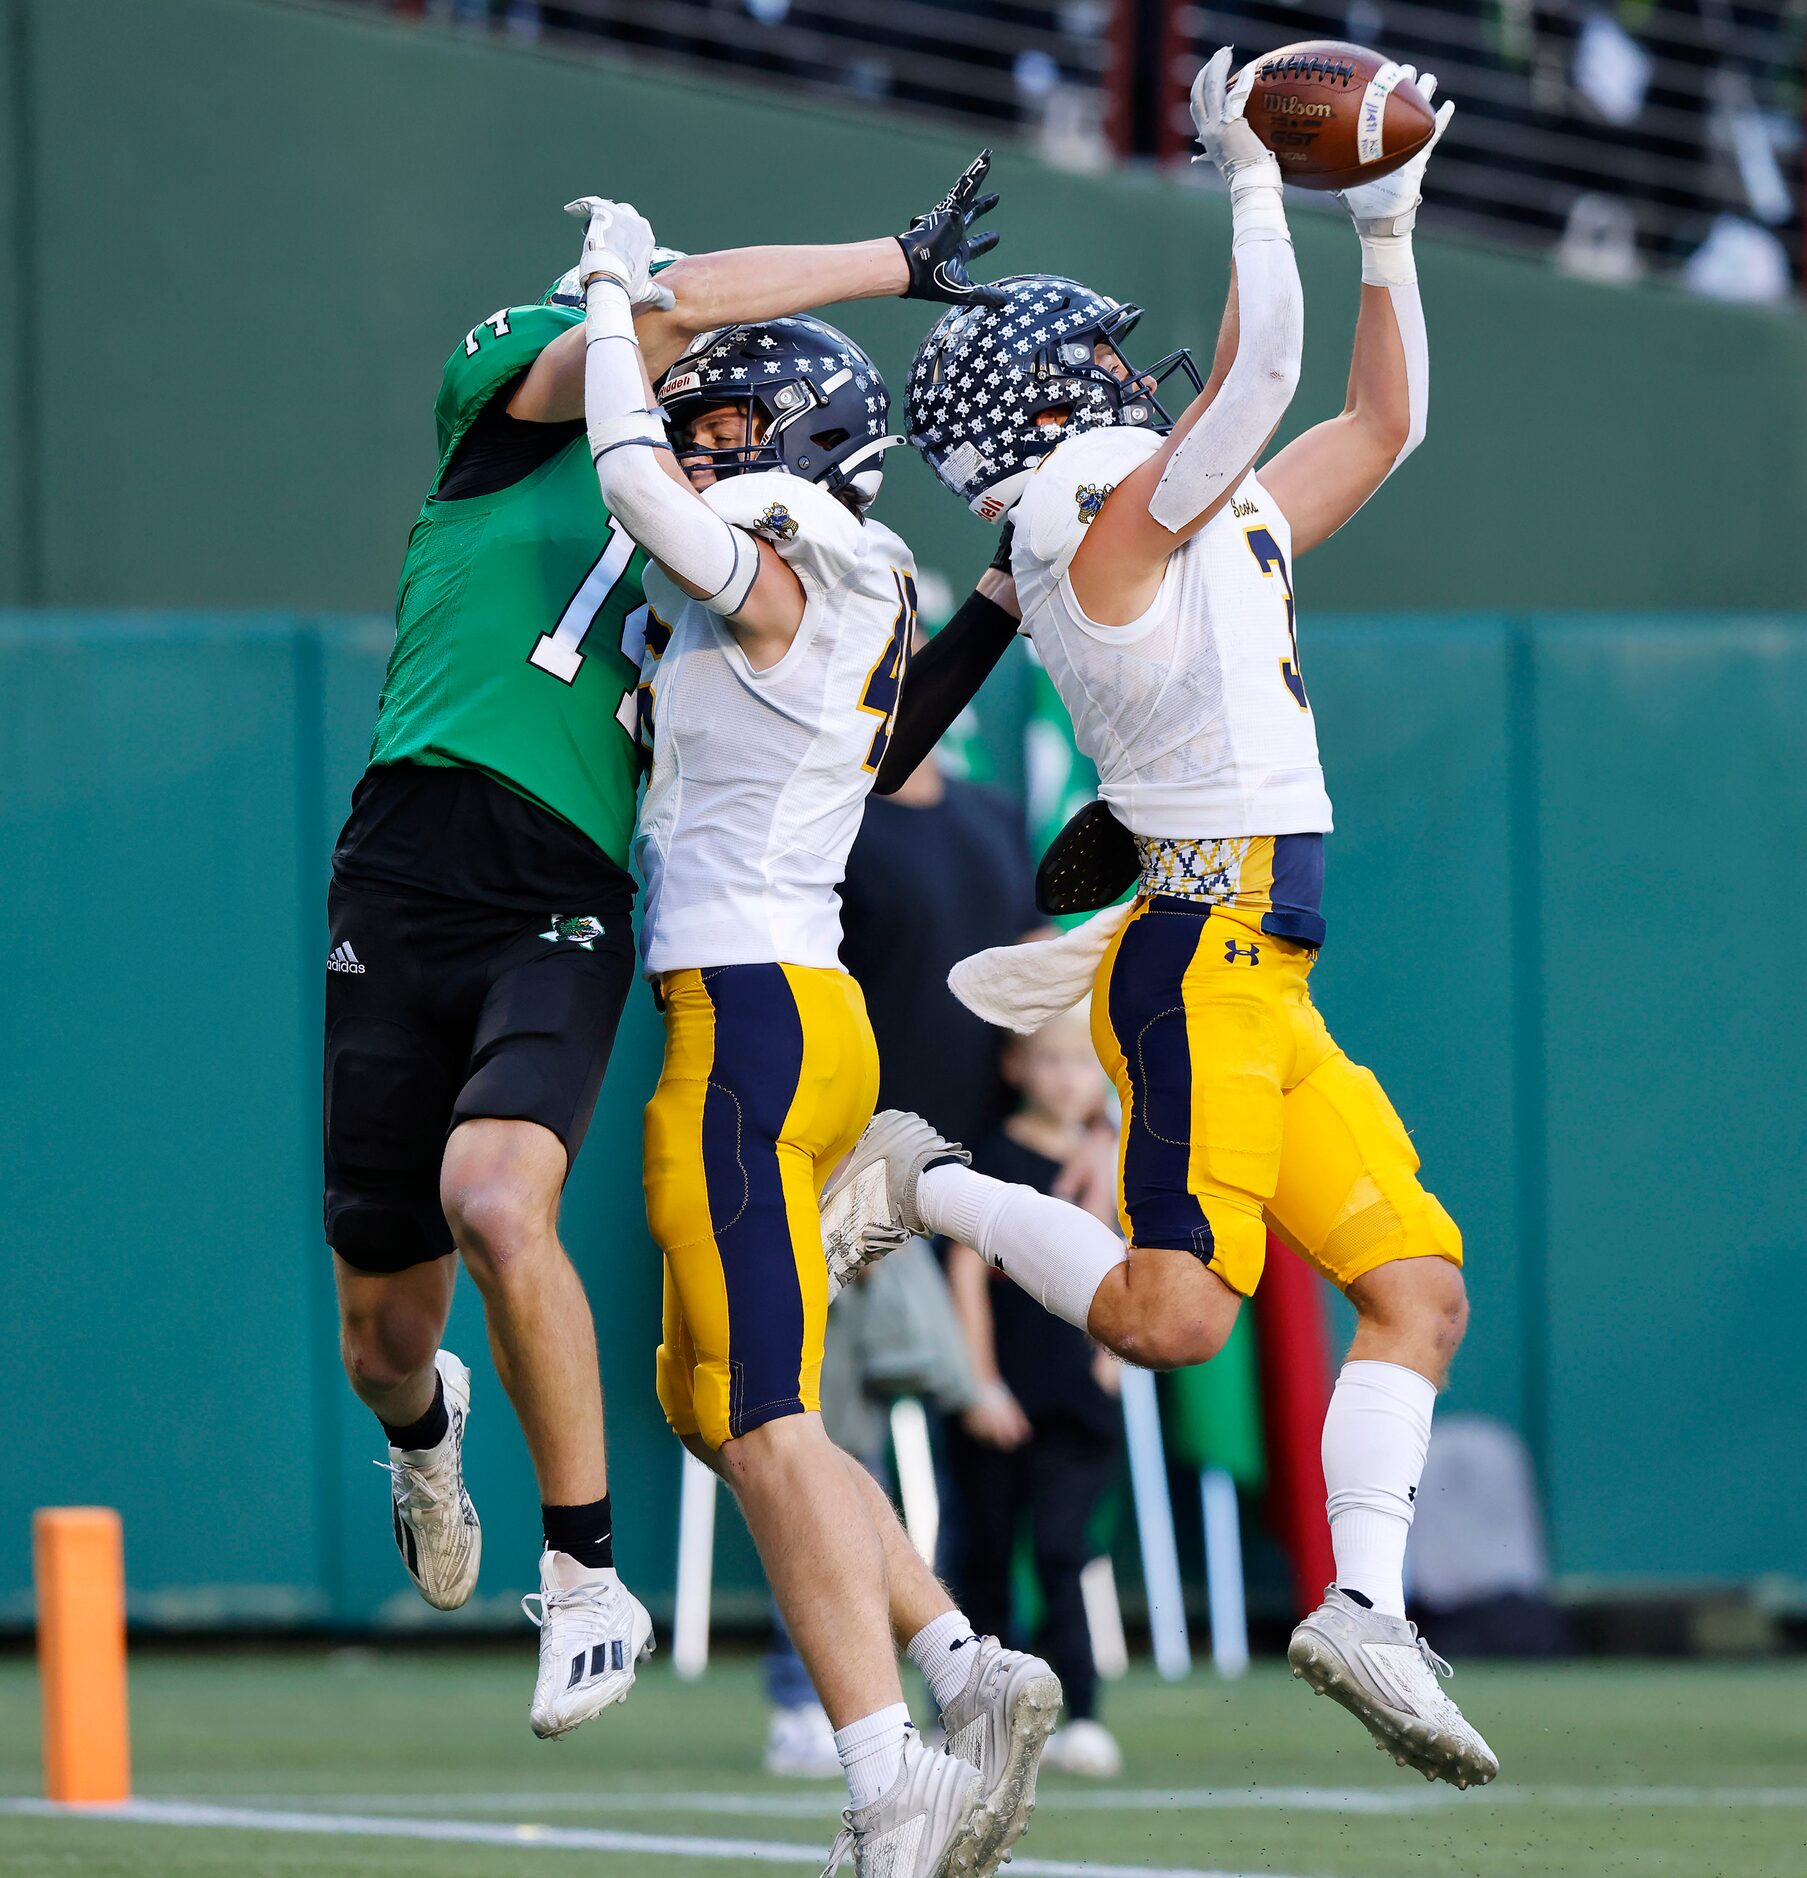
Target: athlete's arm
<point>733,574</point>
<point>928,261</point>
<point>944,677</point>
<point>1119,566</point>
<point>1322,477</point>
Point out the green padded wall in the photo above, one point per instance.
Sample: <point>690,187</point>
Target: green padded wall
<point>1565,852</point>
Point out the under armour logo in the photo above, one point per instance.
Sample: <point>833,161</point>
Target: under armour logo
<point>1232,952</point>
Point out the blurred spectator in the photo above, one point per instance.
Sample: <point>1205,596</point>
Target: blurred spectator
<point>938,870</point>
<point>1042,1442</point>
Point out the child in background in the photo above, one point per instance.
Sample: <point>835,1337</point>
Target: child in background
<point>1045,1435</point>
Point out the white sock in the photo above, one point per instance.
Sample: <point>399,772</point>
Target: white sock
<point>1375,1435</point>
<point>944,1651</point>
<point>871,1751</point>
<point>1057,1253</point>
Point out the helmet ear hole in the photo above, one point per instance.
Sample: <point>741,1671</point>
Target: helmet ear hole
<point>829,439</point>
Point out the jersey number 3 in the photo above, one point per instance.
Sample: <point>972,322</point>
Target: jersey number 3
<point>886,677</point>
<point>1268,557</point>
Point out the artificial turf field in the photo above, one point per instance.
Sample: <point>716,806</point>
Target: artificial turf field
<point>1697,1771</point>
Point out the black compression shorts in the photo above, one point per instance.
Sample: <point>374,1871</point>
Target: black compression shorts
<point>441,1011</point>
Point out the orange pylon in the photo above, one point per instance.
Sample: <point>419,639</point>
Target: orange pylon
<point>79,1555</point>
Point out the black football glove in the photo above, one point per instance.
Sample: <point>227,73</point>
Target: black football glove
<point>940,246</point>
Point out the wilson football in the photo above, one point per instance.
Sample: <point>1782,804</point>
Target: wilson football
<point>1336,114</point>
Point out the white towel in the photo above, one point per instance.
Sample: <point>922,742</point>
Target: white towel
<point>1023,987</point>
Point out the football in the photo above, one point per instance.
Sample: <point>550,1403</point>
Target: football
<point>1336,114</point>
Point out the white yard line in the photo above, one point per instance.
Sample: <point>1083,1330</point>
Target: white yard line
<point>822,1802</point>
<point>537,1838</point>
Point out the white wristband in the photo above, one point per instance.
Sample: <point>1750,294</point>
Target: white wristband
<point>1387,261</point>
<point>1257,203</point>
<point>607,314</point>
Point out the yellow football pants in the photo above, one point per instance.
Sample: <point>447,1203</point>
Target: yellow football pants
<point>1240,1114</point>
<point>770,1078</point>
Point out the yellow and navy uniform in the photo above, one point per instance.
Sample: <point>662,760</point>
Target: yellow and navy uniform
<point>759,778</point>
<point>770,1076</point>
<point>1240,1113</point>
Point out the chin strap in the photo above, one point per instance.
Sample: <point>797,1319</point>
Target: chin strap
<point>672,523</point>
<point>1216,452</point>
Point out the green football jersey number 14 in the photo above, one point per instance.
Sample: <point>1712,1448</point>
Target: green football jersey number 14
<point>514,652</point>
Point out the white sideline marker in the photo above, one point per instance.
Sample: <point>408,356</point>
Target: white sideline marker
<point>1154,1525</point>
<point>916,1476</point>
<point>696,1570</point>
<point>1104,1618</point>
<point>1223,1572</point>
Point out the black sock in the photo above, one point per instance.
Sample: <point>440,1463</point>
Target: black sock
<point>585,1533</point>
<point>429,1431</point>
<point>1366,1603</point>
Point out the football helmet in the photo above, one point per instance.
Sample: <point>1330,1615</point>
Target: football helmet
<point>816,404</point>
<point>982,377</point>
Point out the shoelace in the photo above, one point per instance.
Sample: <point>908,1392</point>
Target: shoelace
<point>1432,1661</point>
<point>416,1484</point>
<point>843,1844</point>
<point>596,1597</point>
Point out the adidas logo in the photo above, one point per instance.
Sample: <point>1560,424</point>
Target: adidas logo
<point>601,1660</point>
<point>342,959</point>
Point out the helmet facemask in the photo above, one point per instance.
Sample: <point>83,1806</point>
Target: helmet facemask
<point>983,380</point>
<point>814,403</point>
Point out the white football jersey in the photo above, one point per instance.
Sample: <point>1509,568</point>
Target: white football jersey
<point>759,779</point>
<point>1196,715</point>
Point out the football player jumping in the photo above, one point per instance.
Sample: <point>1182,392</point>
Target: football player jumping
<point>1154,572</point>
<point>777,630</point>
<point>481,938</point>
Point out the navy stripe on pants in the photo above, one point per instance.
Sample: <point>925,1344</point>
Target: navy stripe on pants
<point>752,1083</point>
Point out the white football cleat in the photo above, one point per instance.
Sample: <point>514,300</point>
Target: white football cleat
<point>928,1824</point>
<point>435,1524</point>
<point>1085,1748</point>
<point>594,1634</point>
<point>869,1207</point>
<point>1383,1672</point>
<point>1000,1723</point>
<point>799,1744</point>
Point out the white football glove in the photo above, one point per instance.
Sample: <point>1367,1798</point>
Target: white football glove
<point>618,246</point>
<point>1226,138</point>
<point>1389,206</point>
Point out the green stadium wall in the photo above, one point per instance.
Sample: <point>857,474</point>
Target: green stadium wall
<point>1559,836</point>
<point>244,235</point>
<point>1563,844</point>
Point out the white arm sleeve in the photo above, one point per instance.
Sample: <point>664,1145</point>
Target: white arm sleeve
<point>1387,262</point>
<point>673,524</point>
<point>1216,452</point>
<point>1408,310</point>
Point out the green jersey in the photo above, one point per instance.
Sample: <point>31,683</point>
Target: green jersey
<point>511,612</point>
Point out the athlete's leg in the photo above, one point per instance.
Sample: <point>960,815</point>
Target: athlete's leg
<point>1189,1023</point>
<point>1350,1200</point>
<point>390,1325</point>
<point>500,1185</point>
<point>392,1076</point>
